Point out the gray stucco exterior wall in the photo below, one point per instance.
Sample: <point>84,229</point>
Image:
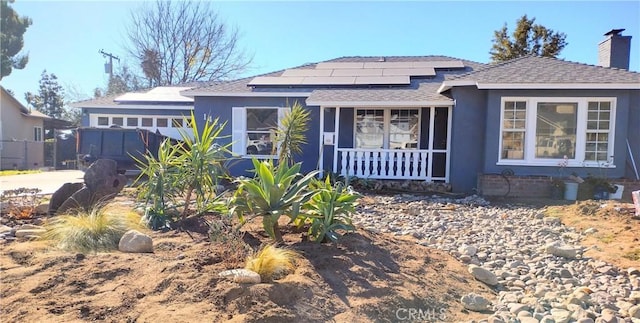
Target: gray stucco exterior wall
<point>221,108</point>
<point>467,138</point>
<point>492,135</point>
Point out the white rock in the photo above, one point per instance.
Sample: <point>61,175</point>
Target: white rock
<point>590,231</point>
<point>468,250</point>
<point>560,315</point>
<point>135,241</point>
<point>243,276</point>
<point>483,275</point>
<point>475,302</point>
<point>564,251</point>
<point>635,296</point>
<point>29,227</point>
<point>23,233</point>
<point>551,220</point>
<point>608,316</point>
<point>4,229</point>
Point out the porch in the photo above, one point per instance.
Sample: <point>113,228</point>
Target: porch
<point>390,143</point>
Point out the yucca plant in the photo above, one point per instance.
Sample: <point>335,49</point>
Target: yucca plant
<point>272,262</point>
<point>329,210</point>
<point>272,193</point>
<point>182,170</point>
<point>201,164</point>
<point>290,135</point>
<point>98,229</point>
<point>159,180</point>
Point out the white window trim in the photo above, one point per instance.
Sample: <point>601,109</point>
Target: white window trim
<point>386,135</point>
<point>581,132</point>
<point>39,131</point>
<point>239,131</point>
<point>93,120</point>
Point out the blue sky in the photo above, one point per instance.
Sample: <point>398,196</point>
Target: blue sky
<point>66,35</point>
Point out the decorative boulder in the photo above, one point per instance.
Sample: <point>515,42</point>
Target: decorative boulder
<point>135,241</point>
<point>101,182</point>
<point>62,194</point>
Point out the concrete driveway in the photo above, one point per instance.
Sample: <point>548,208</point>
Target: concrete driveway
<point>48,182</point>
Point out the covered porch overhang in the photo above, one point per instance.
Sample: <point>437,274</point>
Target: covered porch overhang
<point>425,158</point>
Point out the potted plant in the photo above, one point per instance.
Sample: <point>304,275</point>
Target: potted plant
<point>599,187</point>
<point>557,188</point>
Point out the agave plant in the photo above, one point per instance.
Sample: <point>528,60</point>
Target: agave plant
<point>273,192</point>
<point>329,210</point>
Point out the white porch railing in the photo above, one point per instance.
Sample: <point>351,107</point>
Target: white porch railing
<point>383,163</point>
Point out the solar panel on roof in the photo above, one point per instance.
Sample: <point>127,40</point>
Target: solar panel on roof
<point>425,71</point>
<point>306,72</point>
<point>382,80</point>
<point>320,66</point>
<point>356,72</point>
<point>274,80</point>
<point>332,80</point>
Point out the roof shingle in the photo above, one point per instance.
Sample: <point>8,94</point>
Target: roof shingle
<point>535,69</point>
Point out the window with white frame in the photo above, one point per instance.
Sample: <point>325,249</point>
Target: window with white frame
<point>254,130</point>
<point>37,133</point>
<point>542,131</point>
<point>387,128</point>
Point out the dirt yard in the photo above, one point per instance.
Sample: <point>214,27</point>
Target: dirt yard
<point>617,231</point>
<point>366,277</point>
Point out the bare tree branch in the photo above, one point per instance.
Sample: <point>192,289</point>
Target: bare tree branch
<point>184,41</point>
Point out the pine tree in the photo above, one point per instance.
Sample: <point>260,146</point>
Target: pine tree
<point>50,97</point>
<point>12,28</point>
<point>527,39</point>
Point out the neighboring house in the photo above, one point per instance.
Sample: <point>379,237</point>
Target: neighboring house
<point>21,134</point>
<point>442,119</point>
<point>161,109</point>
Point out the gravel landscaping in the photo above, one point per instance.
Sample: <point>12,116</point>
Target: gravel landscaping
<point>533,263</point>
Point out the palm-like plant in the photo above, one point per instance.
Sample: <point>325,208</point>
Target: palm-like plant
<point>160,178</point>
<point>201,164</point>
<point>290,135</point>
<point>272,193</point>
<point>329,210</point>
<point>191,167</point>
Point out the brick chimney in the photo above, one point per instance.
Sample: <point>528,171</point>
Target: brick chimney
<point>614,51</point>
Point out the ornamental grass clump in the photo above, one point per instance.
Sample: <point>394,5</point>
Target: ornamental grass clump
<point>271,262</point>
<point>98,229</point>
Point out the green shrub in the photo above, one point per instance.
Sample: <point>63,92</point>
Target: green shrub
<point>99,229</point>
<point>182,172</point>
<point>272,193</point>
<point>329,210</point>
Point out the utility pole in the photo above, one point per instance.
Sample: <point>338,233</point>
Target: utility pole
<point>111,58</point>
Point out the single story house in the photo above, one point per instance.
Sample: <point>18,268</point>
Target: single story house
<point>441,119</point>
<point>162,109</point>
<point>21,134</point>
